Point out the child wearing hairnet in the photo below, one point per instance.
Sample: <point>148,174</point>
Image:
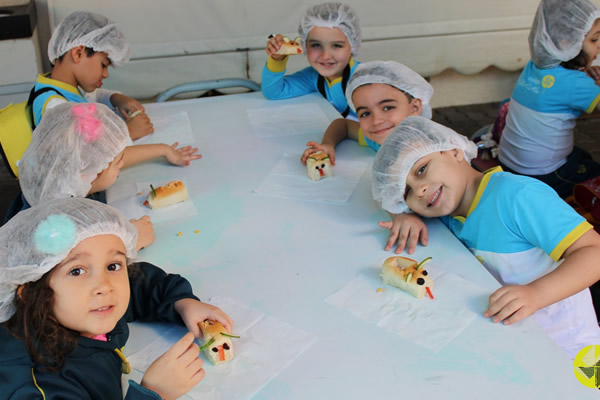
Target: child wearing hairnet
<point>77,151</point>
<point>81,49</point>
<point>68,292</point>
<point>383,93</point>
<point>330,37</point>
<point>543,253</point>
<point>556,86</point>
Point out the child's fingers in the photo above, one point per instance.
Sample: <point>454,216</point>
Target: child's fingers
<point>182,345</point>
<point>385,224</point>
<point>190,354</point>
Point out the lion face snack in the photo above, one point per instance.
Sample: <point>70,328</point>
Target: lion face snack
<point>408,275</point>
<point>217,345</point>
<point>318,166</point>
<point>290,47</point>
<point>163,196</point>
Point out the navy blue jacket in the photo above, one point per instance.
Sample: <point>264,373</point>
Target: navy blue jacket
<point>93,370</point>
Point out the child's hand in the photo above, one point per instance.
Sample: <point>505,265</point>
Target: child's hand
<point>181,156</point>
<point>273,45</point>
<point>125,104</point>
<point>314,147</point>
<point>177,371</point>
<point>139,125</point>
<point>594,73</point>
<point>512,303</point>
<point>405,228</point>
<point>145,230</point>
<point>192,312</point>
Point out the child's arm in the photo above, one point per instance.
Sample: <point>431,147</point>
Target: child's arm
<point>405,228</point>
<point>337,131</point>
<point>142,152</point>
<point>579,270</point>
<point>145,232</point>
<point>133,111</point>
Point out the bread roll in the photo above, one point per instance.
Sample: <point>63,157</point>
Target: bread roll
<point>318,166</point>
<point>290,47</point>
<point>405,274</point>
<point>221,350</point>
<point>163,196</point>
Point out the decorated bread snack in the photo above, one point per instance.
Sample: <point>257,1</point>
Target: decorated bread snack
<point>171,193</point>
<point>318,166</point>
<point>217,345</point>
<point>290,47</point>
<point>408,275</point>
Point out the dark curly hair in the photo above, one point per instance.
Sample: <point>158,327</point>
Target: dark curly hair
<point>47,341</point>
<point>580,61</point>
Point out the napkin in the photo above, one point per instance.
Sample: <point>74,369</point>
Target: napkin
<point>288,179</point>
<point>169,128</point>
<point>129,199</point>
<point>266,347</point>
<point>429,323</point>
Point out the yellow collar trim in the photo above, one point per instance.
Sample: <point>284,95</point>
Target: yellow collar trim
<point>482,185</point>
<point>46,80</point>
<point>339,79</point>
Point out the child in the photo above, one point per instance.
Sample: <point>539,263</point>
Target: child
<point>383,93</point>
<point>81,49</point>
<point>556,86</point>
<point>66,297</point>
<point>78,150</point>
<point>330,36</point>
<point>546,257</point>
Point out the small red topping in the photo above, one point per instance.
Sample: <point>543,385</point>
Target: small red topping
<point>429,292</point>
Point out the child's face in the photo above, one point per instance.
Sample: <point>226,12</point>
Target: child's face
<point>92,70</point>
<point>91,286</point>
<point>108,176</point>
<point>328,51</point>
<point>436,185</point>
<point>591,42</point>
<point>380,108</point>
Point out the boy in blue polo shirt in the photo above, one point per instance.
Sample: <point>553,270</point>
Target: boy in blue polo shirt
<point>543,253</point>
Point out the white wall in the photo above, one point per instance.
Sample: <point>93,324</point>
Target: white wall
<point>471,49</point>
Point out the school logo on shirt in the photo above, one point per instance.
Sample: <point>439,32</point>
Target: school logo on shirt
<point>586,366</point>
<point>548,81</point>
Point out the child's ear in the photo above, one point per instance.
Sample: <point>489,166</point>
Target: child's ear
<point>458,154</point>
<point>416,106</point>
<point>20,291</point>
<point>77,53</point>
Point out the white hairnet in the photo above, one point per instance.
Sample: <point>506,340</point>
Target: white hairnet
<point>90,30</point>
<point>73,143</point>
<point>332,15</point>
<point>394,74</point>
<point>37,239</point>
<point>558,30</point>
<point>411,140</point>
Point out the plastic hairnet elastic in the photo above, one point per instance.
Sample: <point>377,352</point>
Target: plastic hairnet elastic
<point>90,30</point>
<point>394,74</point>
<point>332,15</point>
<point>68,151</point>
<point>412,139</point>
<point>37,239</point>
<point>558,30</point>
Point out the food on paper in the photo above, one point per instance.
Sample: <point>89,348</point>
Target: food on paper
<point>408,275</point>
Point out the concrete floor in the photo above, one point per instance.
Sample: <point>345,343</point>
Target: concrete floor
<point>464,119</point>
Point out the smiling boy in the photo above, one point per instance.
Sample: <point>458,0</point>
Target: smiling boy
<point>545,257</point>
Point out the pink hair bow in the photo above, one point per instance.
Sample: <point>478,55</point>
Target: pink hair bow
<point>87,124</point>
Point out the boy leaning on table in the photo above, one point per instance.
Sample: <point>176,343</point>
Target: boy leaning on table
<point>543,253</point>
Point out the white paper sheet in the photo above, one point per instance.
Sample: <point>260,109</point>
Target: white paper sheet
<point>430,323</point>
<point>169,128</point>
<point>266,347</point>
<point>285,120</point>
<point>129,199</point>
<point>288,179</point>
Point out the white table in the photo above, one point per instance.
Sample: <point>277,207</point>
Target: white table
<point>266,252</point>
